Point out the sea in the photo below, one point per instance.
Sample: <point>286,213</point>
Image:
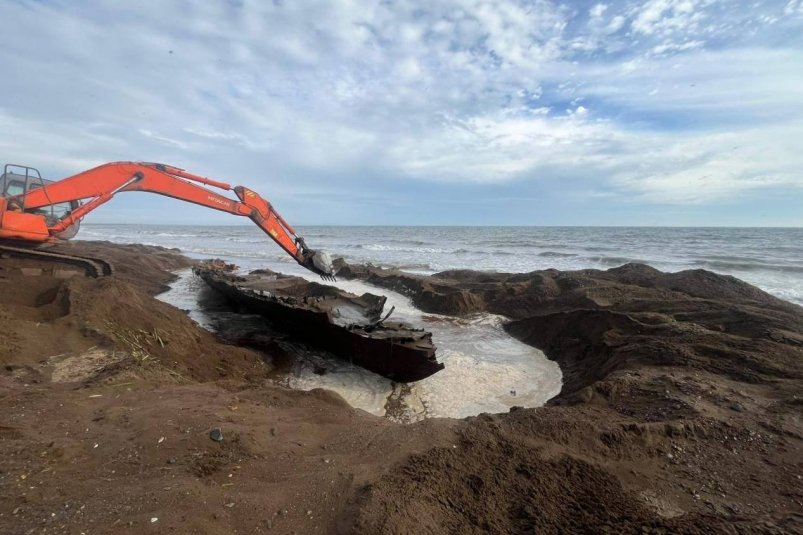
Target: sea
<point>486,369</point>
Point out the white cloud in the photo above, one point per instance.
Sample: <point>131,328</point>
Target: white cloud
<point>703,168</point>
<point>349,93</point>
<point>163,139</point>
<point>662,168</point>
<point>616,24</point>
<point>676,47</point>
<point>794,7</point>
<point>665,17</point>
<point>597,11</point>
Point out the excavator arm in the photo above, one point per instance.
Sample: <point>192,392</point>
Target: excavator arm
<point>99,185</point>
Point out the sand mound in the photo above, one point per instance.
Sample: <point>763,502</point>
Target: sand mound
<point>680,412</point>
<point>69,318</point>
<point>676,385</point>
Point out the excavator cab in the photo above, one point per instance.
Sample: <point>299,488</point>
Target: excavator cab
<point>17,180</point>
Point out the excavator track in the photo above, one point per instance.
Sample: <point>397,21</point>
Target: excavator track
<point>94,267</point>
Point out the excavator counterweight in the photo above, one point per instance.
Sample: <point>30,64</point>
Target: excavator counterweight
<point>35,210</point>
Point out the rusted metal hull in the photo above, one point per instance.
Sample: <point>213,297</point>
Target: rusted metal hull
<point>390,349</point>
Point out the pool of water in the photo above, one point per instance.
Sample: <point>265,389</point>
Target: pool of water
<point>487,370</point>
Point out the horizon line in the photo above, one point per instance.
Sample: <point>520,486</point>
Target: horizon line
<point>456,226</point>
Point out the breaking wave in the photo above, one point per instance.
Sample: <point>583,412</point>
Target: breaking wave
<point>383,247</point>
<point>771,259</point>
<point>747,266</point>
<point>553,254</point>
<point>614,260</point>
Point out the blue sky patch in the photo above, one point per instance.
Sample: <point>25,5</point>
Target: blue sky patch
<point>660,112</point>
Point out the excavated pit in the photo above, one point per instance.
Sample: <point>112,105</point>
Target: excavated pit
<point>680,413</point>
<point>351,327</point>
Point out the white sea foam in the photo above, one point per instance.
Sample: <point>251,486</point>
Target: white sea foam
<point>486,369</point>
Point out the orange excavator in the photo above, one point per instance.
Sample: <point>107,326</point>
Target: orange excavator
<point>35,212</point>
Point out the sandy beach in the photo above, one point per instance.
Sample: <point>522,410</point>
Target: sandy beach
<point>679,413</point>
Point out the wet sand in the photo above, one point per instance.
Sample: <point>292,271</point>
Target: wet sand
<point>679,412</point>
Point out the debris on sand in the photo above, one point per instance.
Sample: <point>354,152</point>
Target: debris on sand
<point>216,434</point>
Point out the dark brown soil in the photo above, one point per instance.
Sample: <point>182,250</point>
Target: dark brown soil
<point>680,409</point>
<point>680,412</point>
<point>147,267</point>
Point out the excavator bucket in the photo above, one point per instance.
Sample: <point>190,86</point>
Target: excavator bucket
<point>319,262</point>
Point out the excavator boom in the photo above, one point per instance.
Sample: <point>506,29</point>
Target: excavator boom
<point>22,216</point>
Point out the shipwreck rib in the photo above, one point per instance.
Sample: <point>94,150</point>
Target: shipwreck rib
<point>349,326</point>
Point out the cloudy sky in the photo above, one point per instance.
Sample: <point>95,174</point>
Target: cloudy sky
<point>657,112</point>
